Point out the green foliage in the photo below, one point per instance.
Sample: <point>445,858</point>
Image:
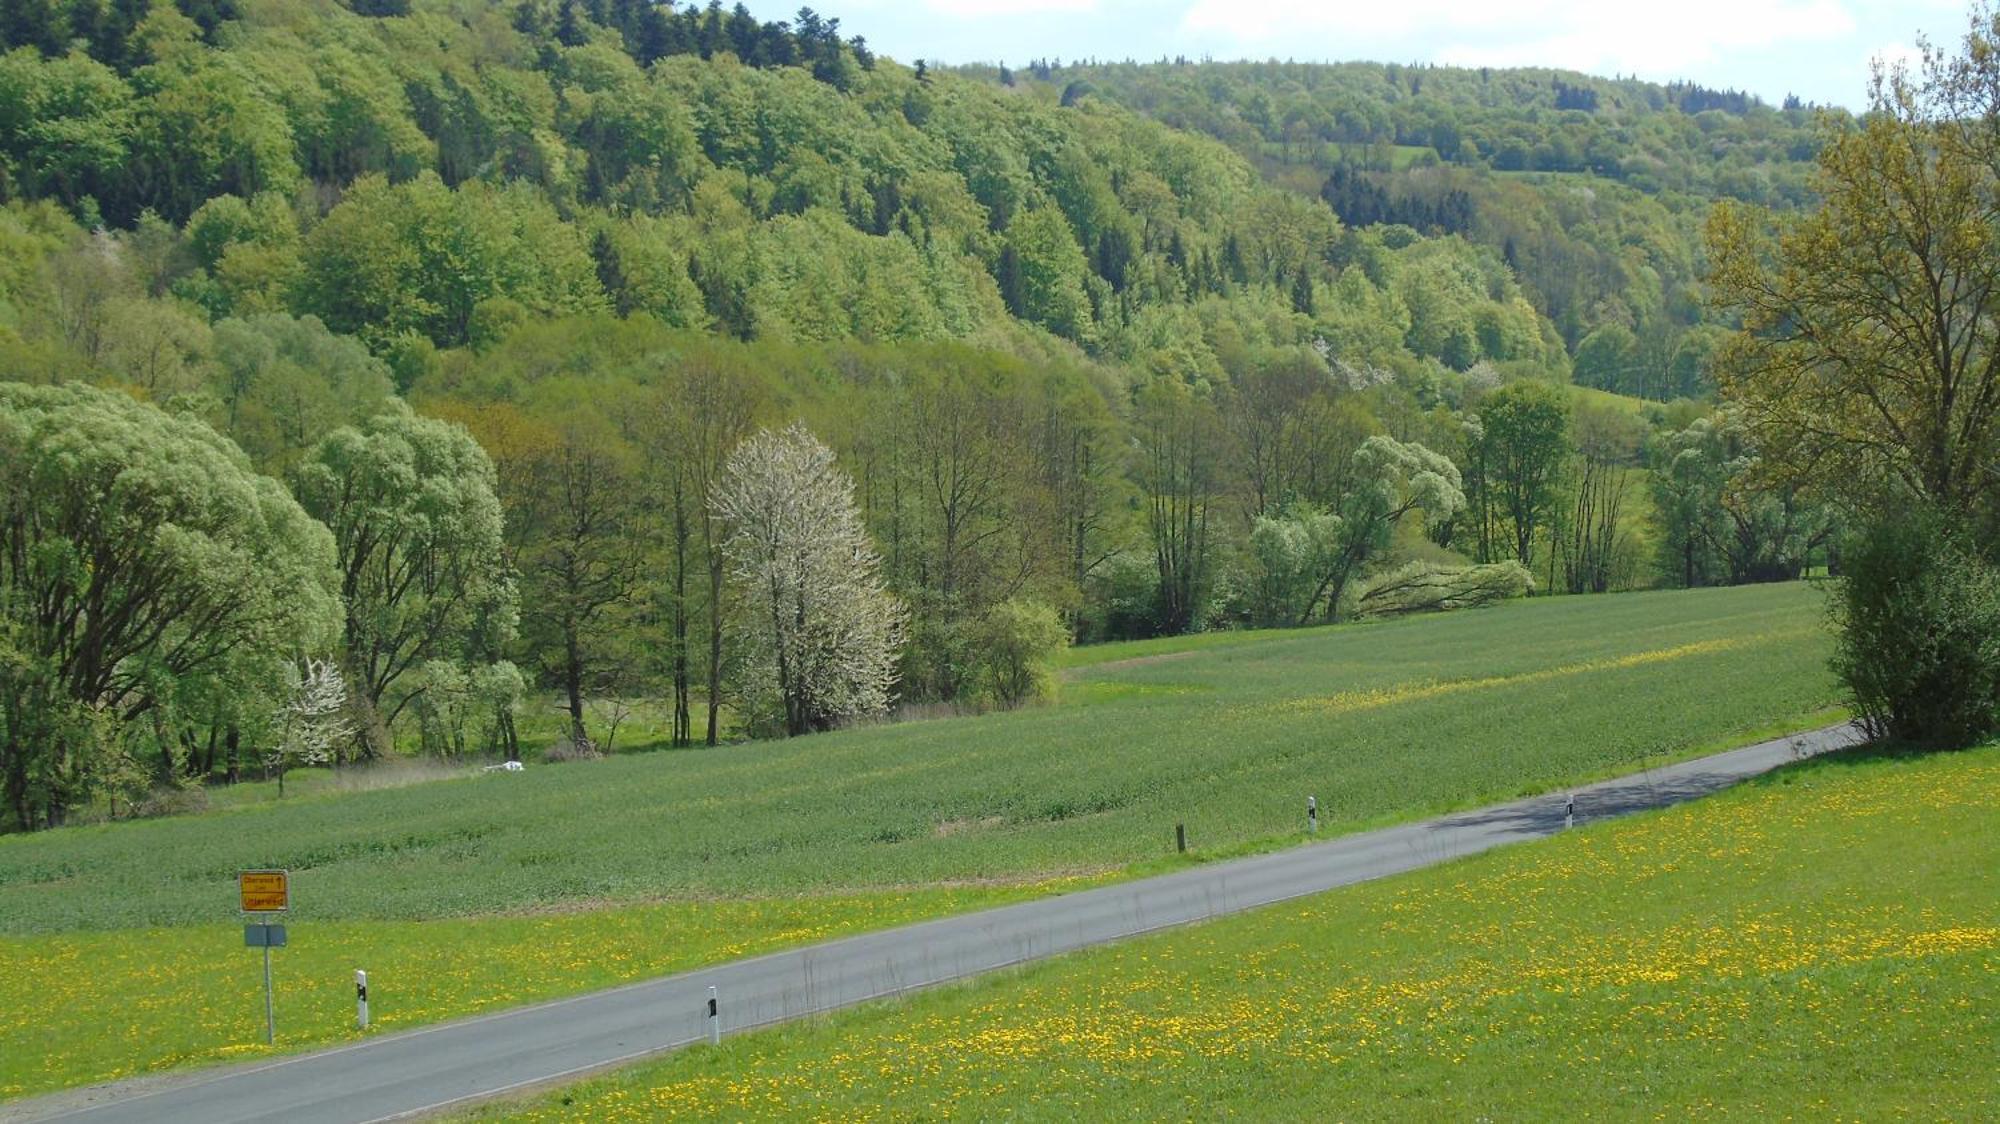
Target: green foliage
<point>1018,645</point>
<point>417,529</point>
<point>1605,358</point>
<point>1918,606</point>
<point>462,709</point>
<point>284,382</point>
<point>1720,524</point>
<point>1071,354</point>
<point>1287,554</point>
<point>420,257</point>
<point>1520,448</point>
<point>1589,189</point>
<point>65,125</point>
<point>1042,273</point>
<point>1421,587</point>
<point>149,574</point>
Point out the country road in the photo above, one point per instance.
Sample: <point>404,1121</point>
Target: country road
<point>419,1071</point>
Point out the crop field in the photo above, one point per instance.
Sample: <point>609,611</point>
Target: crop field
<point>871,826</point>
<point>1823,944</point>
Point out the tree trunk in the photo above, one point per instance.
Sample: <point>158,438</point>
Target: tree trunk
<point>573,686</point>
<point>714,644</point>
<point>683,719</point>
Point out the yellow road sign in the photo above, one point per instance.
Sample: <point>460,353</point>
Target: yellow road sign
<point>264,891</point>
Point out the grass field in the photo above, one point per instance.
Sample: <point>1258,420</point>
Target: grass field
<point>1623,403</point>
<point>1820,944</point>
<point>875,826</point>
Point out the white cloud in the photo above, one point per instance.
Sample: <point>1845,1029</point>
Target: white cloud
<point>1892,55</point>
<point>1589,35</point>
<point>973,9</point>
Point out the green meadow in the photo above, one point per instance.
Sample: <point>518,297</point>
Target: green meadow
<point>681,858</point>
<point>1823,943</point>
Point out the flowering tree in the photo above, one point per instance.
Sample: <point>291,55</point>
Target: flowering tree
<point>820,632</point>
<point>311,721</point>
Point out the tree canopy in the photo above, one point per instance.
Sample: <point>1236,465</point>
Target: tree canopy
<point>143,567</point>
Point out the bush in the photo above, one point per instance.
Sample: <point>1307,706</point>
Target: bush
<point>1018,643</point>
<point>1918,610</point>
<point>565,750</point>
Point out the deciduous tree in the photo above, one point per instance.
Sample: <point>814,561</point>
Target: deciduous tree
<point>821,634</point>
<point>411,504</point>
<point>140,557</point>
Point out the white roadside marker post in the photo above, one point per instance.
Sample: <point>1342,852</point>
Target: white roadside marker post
<point>1569,812</point>
<point>714,1020</point>
<point>1312,815</point>
<point>360,999</point>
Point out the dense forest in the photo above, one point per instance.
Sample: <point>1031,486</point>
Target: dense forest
<point>1592,190</point>
<point>472,303</point>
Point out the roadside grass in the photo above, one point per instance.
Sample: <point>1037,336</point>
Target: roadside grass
<point>872,826</point>
<point>1822,943</point>
<point>81,1008</point>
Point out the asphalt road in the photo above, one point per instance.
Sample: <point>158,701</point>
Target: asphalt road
<point>420,1071</point>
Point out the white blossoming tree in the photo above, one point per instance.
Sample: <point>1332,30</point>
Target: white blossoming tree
<point>820,632</point>
<point>311,721</point>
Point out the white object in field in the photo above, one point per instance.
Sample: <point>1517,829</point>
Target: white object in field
<point>1312,814</point>
<point>714,1020</point>
<point>507,767</point>
<point>360,999</point>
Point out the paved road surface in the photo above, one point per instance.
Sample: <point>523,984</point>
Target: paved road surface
<point>417,1071</point>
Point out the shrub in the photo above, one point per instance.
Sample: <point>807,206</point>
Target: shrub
<point>1018,645</point>
<point>1918,610</point>
<point>566,750</point>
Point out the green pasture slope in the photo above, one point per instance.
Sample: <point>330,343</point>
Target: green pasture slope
<point>1820,944</point>
<point>467,894</point>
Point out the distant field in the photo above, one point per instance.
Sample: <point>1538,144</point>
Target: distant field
<point>879,825</point>
<point>1326,154</point>
<point>1592,396</point>
<point>1821,944</point>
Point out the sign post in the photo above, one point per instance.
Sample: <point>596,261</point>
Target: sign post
<point>265,892</point>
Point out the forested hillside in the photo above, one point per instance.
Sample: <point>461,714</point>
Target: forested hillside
<point>1592,190</point>
<point>497,290</point>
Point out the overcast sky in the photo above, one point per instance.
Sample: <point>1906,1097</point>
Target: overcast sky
<point>1818,49</point>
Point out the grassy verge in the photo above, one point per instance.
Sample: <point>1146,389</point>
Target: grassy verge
<point>1824,943</point>
<point>80,1008</point>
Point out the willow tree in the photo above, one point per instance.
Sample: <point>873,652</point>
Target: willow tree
<point>411,505</point>
<point>143,564</point>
